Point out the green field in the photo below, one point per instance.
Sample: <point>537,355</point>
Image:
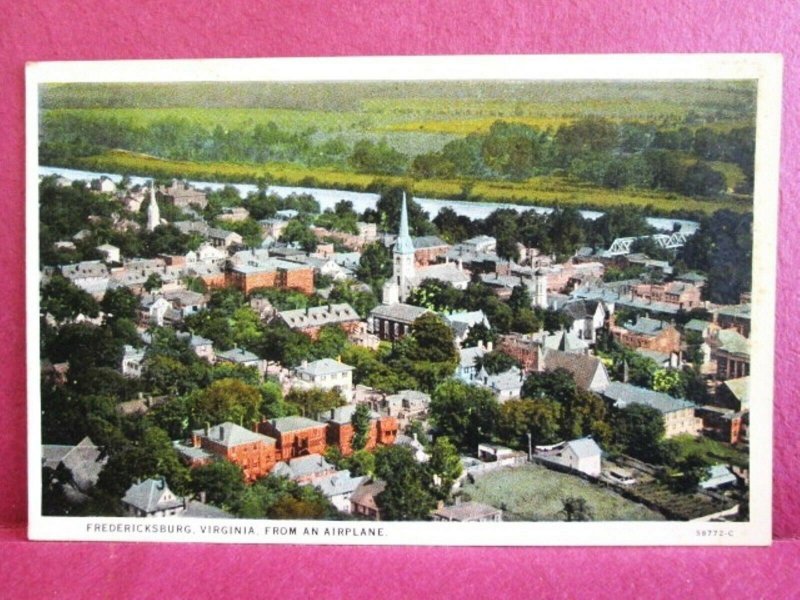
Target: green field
<point>535,493</point>
<point>712,451</point>
<point>539,191</point>
<point>197,130</point>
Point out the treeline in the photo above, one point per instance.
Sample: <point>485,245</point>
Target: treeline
<point>591,149</point>
<point>66,136</point>
<point>601,152</point>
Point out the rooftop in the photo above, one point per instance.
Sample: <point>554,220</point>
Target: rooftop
<point>323,366</point>
<point>230,434</point>
<point>149,496</point>
<point>624,394</point>
<point>405,313</point>
<point>294,423</point>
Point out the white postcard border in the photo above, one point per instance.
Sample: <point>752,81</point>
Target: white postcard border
<point>766,68</point>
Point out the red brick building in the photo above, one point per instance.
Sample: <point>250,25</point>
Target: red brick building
<point>272,273</point>
<point>295,436</point>
<point>649,334</point>
<point>382,429</point>
<point>253,452</point>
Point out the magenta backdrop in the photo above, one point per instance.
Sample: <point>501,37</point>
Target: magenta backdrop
<point>93,30</point>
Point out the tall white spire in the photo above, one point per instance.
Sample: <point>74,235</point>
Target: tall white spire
<point>153,214</point>
<point>404,244</point>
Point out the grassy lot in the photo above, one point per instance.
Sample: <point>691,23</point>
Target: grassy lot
<point>712,450</point>
<point>533,492</point>
<point>540,191</point>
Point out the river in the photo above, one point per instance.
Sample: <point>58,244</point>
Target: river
<point>363,200</point>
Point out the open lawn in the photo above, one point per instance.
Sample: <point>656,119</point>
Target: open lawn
<point>539,191</point>
<point>535,493</point>
<point>712,450</point>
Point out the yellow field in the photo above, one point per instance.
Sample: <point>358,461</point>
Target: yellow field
<point>542,191</point>
<point>467,126</point>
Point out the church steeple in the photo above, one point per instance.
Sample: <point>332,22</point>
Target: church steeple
<point>404,244</point>
<point>153,214</point>
<point>403,267</point>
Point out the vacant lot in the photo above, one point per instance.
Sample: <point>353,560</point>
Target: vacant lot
<point>532,492</point>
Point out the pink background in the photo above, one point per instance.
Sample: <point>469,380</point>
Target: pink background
<point>90,29</point>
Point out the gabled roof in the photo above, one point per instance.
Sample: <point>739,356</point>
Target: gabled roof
<point>733,342</point>
<point>365,493</point>
<point>467,356</point>
<point>582,367</point>
<point>83,460</point>
<point>302,466</point>
<point>341,482</point>
<point>149,496</point>
<point>584,447</point>
<point>740,388</point>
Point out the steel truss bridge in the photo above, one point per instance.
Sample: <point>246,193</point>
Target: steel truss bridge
<point>622,246</point>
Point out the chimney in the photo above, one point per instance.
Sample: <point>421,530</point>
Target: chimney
<point>208,429</point>
<point>202,497</point>
<point>333,411</point>
<point>625,373</point>
<point>221,433</point>
<point>489,346</point>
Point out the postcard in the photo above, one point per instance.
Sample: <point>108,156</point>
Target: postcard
<point>476,300</point>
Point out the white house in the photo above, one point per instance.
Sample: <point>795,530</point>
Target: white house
<point>132,359</point>
<point>581,455</point>
<point>152,498</point>
<point>326,374</point>
<point>338,488</point>
<point>110,252</point>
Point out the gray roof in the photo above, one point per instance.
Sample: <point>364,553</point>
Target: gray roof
<point>718,475</point>
<point>584,447</point>
<point>428,241</point>
<point>655,355</point>
<point>646,326</point>
<point>404,313</point>
<point>344,414</point>
<point>624,394</point>
<point>740,388</point>
<point>697,325</point>
<point>199,510</point>
<point>294,423</point>
<point>323,366</point>
<point>302,466</point>
<point>83,460</point>
<point>317,316</point>
<point>341,482</point>
<point>148,495</point>
<point>741,311</point>
<point>238,355</point>
<point>448,272</point>
<point>230,434</point>
<point>467,356</point>
<point>733,342</point>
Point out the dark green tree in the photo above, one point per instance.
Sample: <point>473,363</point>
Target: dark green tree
<point>361,424</point>
<point>406,496</point>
